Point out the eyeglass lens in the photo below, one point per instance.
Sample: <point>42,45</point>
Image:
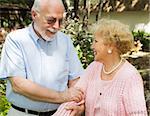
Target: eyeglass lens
<point>52,20</point>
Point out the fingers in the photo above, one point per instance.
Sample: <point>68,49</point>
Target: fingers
<point>73,113</point>
<point>74,107</point>
<point>73,94</point>
<point>76,94</point>
<point>81,92</point>
<point>81,102</point>
<point>71,107</point>
<point>76,110</point>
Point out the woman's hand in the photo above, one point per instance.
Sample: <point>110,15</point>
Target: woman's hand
<point>77,110</point>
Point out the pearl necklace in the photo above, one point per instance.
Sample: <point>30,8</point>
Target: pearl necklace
<point>112,70</point>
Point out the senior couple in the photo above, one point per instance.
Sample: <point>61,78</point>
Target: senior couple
<point>43,70</point>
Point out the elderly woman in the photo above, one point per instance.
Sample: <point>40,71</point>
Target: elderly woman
<point>112,86</point>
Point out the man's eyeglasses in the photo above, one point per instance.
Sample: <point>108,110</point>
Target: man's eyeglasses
<point>52,20</point>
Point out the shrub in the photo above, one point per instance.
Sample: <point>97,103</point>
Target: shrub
<point>144,39</point>
<point>82,40</point>
<point>4,104</point>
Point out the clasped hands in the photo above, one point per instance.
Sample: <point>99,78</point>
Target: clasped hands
<point>77,95</point>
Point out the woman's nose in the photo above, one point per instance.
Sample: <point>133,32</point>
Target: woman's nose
<point>92,46</point>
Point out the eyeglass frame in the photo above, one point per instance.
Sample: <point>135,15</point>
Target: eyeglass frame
<point>53,20</point>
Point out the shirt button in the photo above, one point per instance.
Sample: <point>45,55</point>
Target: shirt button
<point>100,93</point>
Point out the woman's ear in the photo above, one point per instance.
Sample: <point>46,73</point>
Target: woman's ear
<point>110,48</point>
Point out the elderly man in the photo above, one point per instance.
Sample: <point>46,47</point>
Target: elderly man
<point>40,63</point>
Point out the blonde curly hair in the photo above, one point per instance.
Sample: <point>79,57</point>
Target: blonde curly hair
<point>115,32</point>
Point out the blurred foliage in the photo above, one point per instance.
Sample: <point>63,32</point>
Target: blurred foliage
<point>23,3</point>
<point>82,39</point>
<point>144,39</point>
<point>4,104</point>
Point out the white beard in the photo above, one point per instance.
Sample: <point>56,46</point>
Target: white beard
<point>44,36</point>
<point>43,33</point>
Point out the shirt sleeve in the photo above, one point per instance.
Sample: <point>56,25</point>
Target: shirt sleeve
<point>75,66</point>
<point>133,95</point>
<point>12,63</point>
<point>82,84</point>
<point>86,77</point>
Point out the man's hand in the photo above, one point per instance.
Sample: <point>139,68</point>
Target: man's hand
<point>77,110</point>
<point>73,94</point>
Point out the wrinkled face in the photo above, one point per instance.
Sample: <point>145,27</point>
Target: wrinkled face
<point>48,20</point>
<point>99,48</point>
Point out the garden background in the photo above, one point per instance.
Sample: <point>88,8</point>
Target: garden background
<point>80,15</point>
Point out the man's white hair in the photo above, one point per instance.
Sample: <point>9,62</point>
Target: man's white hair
<point>36,5</point>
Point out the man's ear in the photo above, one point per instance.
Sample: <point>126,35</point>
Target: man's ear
<point>33,14</point>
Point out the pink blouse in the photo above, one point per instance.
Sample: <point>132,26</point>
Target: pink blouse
<point>121,96</point>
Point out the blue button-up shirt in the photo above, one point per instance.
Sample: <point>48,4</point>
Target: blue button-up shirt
<point>48,63</point>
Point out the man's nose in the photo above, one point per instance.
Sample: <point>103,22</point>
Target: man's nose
<point>56,24</point>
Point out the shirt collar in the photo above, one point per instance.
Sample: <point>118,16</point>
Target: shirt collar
<point>34,36</point>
